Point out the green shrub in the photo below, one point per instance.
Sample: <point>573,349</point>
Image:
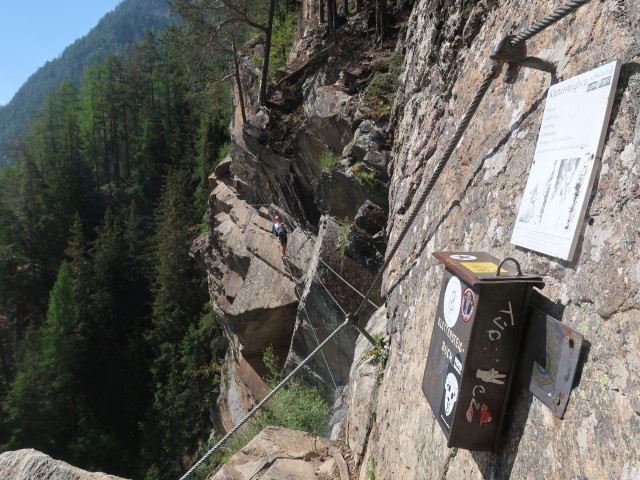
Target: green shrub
<point>298,407</point>
<point>345,231</point>
<point>365,177</point>
<point>380,351</point>
<point>328,160</point>
<point>391,64</point>
<point>381,91</point>
<point>295,406</point>
<point>203,228</point>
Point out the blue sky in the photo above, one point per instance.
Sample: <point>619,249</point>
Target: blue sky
<point>35,31</point>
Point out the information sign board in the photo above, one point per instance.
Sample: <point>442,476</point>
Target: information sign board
<point>565,162</point>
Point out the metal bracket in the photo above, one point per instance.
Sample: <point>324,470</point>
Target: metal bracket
<point>549,360</point>
<point>516,57</point>
<point>354,320</point>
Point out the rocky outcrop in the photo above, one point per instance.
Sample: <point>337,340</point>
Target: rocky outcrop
<point>278,453</point>
<point>327,128</point>
<point>30,464</point>
<point>273,168</point>
<point>365,377</point>
<point>252,287</point>
<point>473,207</point>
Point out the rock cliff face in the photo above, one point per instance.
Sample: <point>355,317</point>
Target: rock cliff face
<point>30,464</point>
<point>302,157</point>
<point>473,208</point>
<point>446,46</point>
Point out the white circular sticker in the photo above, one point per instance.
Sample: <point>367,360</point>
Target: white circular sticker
<point>452,297</point>
<point>450,393</point>
<point>464,257</point>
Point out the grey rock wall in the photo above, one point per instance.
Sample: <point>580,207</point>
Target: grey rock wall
<point>29,464</point>
<point>329,290</point>
<point>473,207</point>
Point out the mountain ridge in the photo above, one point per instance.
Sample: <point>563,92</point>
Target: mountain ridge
<point>126,24</point>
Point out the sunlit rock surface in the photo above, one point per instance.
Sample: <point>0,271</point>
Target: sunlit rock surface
<point>30,464</point>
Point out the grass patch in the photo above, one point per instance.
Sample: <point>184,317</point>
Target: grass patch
<point>295,406</point>
<point>328,160</point>
<point>365,177</point>
<point>345,230</point>
<point>371,473</point>
<point>382,89</point>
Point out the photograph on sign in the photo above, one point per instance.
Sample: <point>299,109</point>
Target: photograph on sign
<point>565,162</point>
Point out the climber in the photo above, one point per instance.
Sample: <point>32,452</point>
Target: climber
<point>274,227</point>
<point>282,236</point>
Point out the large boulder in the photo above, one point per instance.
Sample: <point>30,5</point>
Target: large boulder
<point>345,188</point>
<point>327,128</point>
<point>367,138</point>
<point>29,464</point>
<point>278,453</point>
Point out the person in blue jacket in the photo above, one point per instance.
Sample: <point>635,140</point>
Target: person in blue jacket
<point>274,227</point>
<point>282,236</point>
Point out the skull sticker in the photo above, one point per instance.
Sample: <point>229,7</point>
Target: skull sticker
<point>450,393</point>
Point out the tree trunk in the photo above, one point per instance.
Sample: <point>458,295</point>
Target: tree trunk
<point>381,20</point>
<point>267,50</point>
<point>345,6</point>
<point>236,68</point>
<point>331,18</point>
<point>321,9</point>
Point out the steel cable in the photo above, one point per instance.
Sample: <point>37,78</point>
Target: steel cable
<point>347,283</point>
<point>484,86</point>
<point>538,27</point>
<point>549,20</point>
<point>264,400</point>
<point>313,330</point>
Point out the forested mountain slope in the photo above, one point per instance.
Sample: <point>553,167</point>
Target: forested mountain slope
<point>116,31</point>
<point>104,317</point>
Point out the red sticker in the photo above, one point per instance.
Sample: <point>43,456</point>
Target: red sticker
<point>485,416</point>
<point>467,304</point>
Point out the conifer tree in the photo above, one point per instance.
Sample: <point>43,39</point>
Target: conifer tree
<point>114,355</point>
<point>43,404</point>
<point>179,295</point>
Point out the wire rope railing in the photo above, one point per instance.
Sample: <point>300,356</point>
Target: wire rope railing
<point>493,72</point>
